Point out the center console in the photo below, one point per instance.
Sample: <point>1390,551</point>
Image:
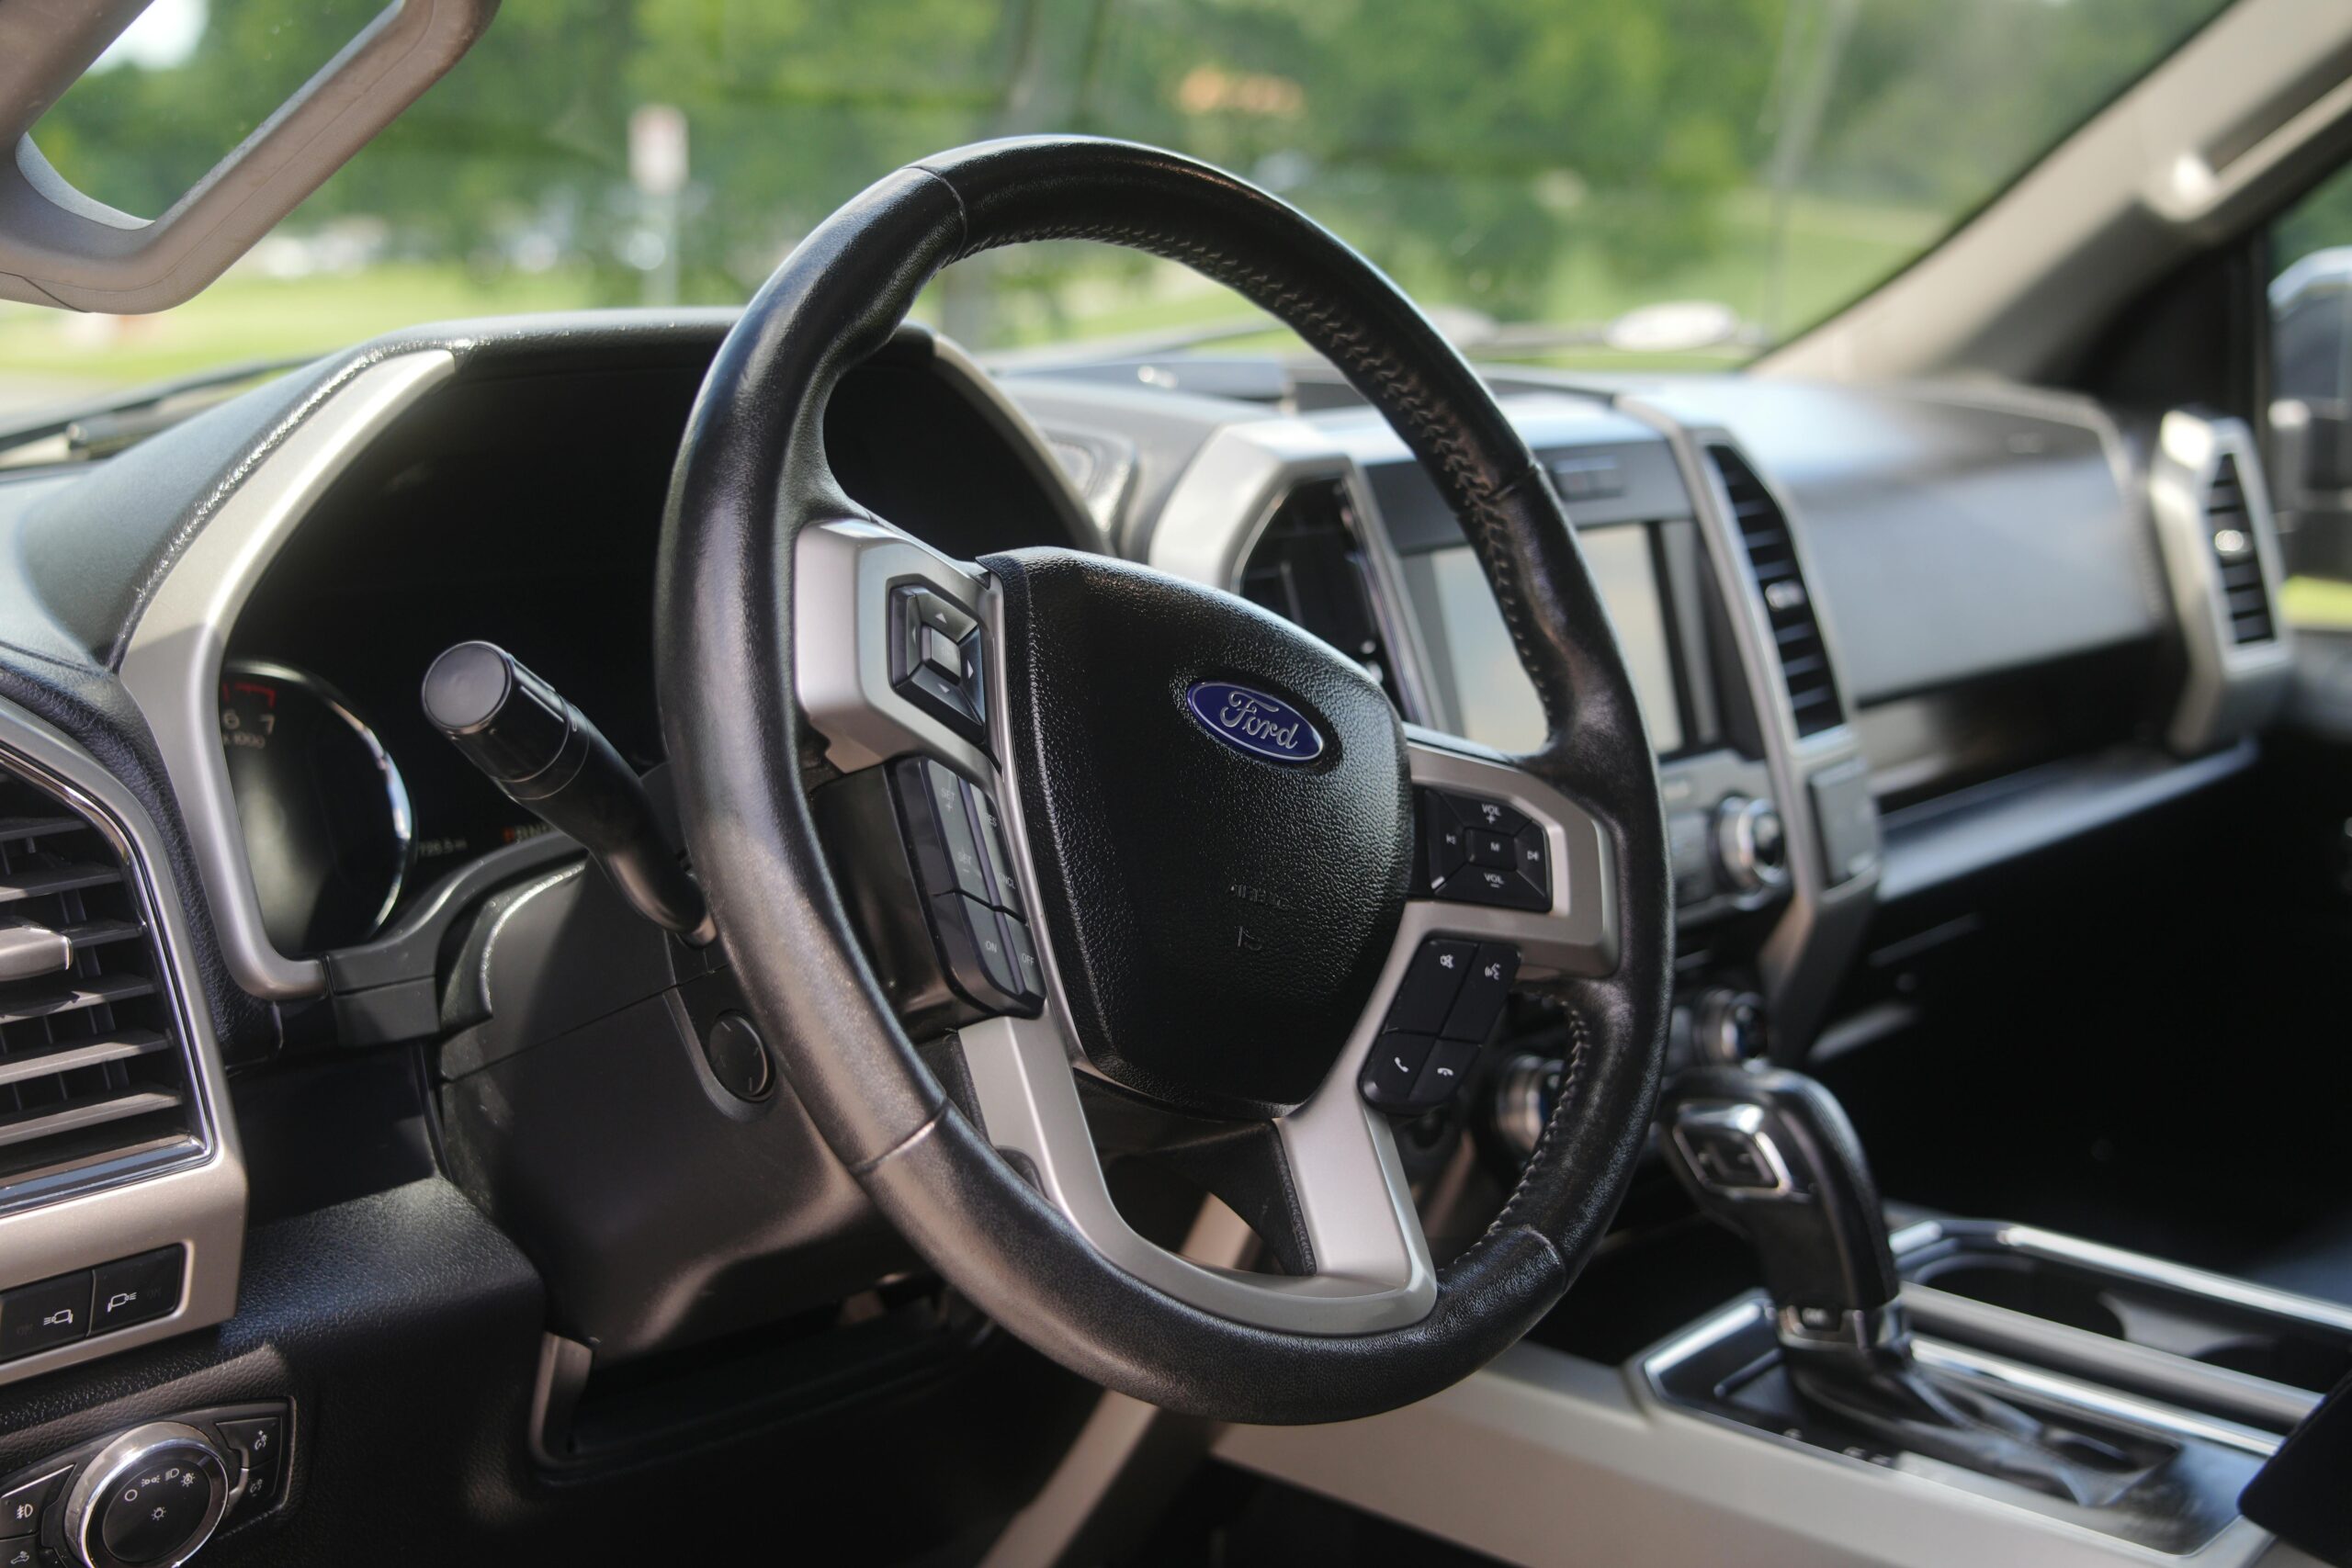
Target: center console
<point>1928,1390</point>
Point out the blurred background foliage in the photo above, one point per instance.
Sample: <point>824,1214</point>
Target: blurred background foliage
<point>1536,167</point>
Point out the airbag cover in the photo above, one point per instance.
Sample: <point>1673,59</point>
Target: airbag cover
<point>1221,897</point>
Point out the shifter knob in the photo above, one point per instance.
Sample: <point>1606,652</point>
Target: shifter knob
<point>1771,1156</point>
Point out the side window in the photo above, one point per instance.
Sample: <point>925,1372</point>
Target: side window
<point>2311,401</point>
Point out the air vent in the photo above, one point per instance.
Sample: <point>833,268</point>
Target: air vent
<point>1308,569</point>
<point>91,1069</point>
<point>1764,531</point>
<point>2229,529</point>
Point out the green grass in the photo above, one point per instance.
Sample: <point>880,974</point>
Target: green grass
<point>2324,603</point>
<point>1836,250</point>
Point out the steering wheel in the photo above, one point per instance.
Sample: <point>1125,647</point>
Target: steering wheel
<point>1224,908</point>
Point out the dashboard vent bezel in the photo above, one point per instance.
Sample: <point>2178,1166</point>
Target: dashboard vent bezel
<point>100,1085</point>
<point>2242,580</point>
<point>1816,704</point>
<point>2204,477</point>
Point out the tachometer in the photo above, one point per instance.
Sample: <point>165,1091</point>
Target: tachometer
<point>327,826</point>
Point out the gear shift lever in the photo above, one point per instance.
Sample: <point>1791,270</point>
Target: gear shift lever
<point>1770,1154</point>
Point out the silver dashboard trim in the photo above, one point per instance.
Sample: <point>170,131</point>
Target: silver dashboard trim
<point>2230,689</point>
<point>172,664</point>
<point>199,1202</point>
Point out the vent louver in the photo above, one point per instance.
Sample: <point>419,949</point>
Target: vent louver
<point>1308,569</point>
<point>91,1071</point>
<point>1788,602</point>
<point>2229,529</point>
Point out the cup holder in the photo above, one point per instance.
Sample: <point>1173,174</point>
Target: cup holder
<point>2020,1286</point>
<point>2298,1363</point>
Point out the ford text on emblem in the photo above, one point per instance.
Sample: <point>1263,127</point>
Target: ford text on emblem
<point>1253,722</point>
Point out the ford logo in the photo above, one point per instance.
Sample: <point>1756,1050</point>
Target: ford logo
<point>1253,722</point>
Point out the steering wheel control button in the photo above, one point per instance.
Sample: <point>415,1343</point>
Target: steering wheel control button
<point>1487,985</point>
<point>739,1060</point>
<point>22,1505</point>
<point>1431,981</point>
<point>978,955</point>
<point>935,659</point>
<point>45,1316</point>
<point>134,1289</point>
<point>1444,840</point>
<point>1447,1068</point>
<point>1482,851</point>
<point>1004,887</point>
<point>946,852</point>
<point>1025,956</point>
<point>1393,1068</point>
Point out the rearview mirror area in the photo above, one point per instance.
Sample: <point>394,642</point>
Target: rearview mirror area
<point>60,247</point>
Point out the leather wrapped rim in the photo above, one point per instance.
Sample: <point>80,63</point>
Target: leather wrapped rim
<point>752,475</point>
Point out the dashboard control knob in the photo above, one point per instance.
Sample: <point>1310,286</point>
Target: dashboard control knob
<point>1750,846</point>
<point>149,1499</point>
<point>1728,1025</point>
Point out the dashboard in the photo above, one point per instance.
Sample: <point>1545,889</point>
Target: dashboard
<point>1885,641</point>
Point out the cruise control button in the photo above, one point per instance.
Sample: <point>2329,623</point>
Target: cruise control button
<point>38,1317</point>
<point>1006,886</point>
<point>947,855</point>
<point>1392,1069</point>
<point>20,1506</point>
<point>1480,1006</point>
<point>978,957</point>
<point>1025,957</point>
<point>1427,992</point>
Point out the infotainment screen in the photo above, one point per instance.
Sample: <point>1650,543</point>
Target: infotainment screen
<point>1492,701</point>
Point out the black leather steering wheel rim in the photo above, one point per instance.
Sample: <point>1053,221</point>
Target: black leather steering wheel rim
<point>752,474</point>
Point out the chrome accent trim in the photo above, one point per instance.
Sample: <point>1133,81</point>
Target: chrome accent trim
<point>1858,1329</point>
<point>1747,1121</point>
<point>2063,1390</point>
<point>396,801</point>
<point>123,1456</point>
<point>1735,846</point>
<point>2037,1242</point>
<point>189,1193</point>
<point>2083,1352</point>
<point>2230,690</point>
<point>1816,933</point>
<point>172,664</point>
<point>842,573</point>
<point>28,951</point>
<point>1753,1308</point>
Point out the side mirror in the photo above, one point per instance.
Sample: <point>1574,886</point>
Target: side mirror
<point>60,247</point>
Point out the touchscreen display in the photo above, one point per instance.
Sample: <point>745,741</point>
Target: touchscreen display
<point>1493,702</point>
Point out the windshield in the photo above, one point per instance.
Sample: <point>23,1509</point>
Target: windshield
<point>1586,183</point>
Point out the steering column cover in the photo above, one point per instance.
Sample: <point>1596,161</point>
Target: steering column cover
<point>750,478</point>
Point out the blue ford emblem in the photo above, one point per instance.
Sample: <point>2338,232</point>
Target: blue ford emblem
<point>1253,722</point>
